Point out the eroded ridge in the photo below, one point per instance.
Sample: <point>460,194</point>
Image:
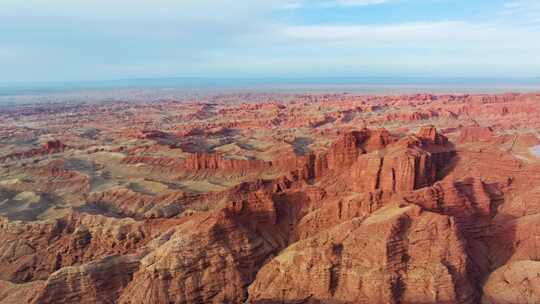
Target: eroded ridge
<point>272,198</point>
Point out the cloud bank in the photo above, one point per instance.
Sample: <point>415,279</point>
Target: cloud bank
<point>87,40</point>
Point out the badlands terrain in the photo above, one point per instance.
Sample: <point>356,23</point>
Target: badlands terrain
<point>272,198</point>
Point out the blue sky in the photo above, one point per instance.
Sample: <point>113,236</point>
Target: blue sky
<point>77,40</point>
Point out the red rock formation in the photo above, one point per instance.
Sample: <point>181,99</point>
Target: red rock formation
<point>475,134</point>
<point>516,282</point>
<point>366,213</point>
<point>35,250</point>
<point>406,165</point>
<point>49,147</point>
<point>395,255</point>
<point>430,134</point>
<point>215,161</point>
<point>207,261</point>
<point>54,146</point>
<point>20,293</point>
<point>96,282</point>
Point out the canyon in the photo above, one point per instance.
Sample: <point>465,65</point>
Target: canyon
<point>272,198</point>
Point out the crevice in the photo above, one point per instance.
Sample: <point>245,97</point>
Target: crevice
<point>397,259</point>
<point>393,180</point>
<point>379,171</point>
<point>335,269</point>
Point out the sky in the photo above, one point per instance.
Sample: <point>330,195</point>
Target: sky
<point>87,40</point>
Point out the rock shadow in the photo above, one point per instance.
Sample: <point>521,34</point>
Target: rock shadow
<point>301,145</point>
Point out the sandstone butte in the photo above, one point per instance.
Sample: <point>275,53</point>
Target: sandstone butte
<point>267,199</point>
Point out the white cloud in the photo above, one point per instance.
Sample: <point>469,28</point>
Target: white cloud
<point>371,33</point>
<point>355,2</point>
<point>522,11</point>
<point>298,4</point>
<point>139,38</point>
<point>459,34</point>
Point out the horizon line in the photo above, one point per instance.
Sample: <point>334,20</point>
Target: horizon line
<point>273,78</point>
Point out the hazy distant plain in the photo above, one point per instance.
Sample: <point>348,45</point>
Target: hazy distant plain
<point>175,88</point>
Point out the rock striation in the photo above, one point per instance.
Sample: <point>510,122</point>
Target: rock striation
<point>420,258</point>
<point>265,198</point>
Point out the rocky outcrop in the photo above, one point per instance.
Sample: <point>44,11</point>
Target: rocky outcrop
<point>396,255</point>
<point>405,165</point>
<point>475,134</point>
<point>11,293</point>
<point>461,199</point>
<point>151,134</point>
<point>407,117</point>
<point>215,161</point>
<point>430,134</point>
<point>514,283</point>
<point>50,147</point>
<point>161,162</point>
<point>126,202</point>
<point>101,281</point>
<point>347,151</point>
<point>32,251</point>
<point>54,146</point>
<point>212,260</point>
<point>513,239</point>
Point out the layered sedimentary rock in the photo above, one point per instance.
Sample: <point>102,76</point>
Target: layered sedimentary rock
<point>207,261</point>
<point>475,134</point>
<point>430,134</point>
<point>405,165</point>
<point>18,293</point>
<point>263,198</point>
<point>379,162</point>
<point>49,147</point>
<point>99,281</point>
<point>396,255</point>
<point>203,161</point>
<point>33,251</point>
<point>516,282</point>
